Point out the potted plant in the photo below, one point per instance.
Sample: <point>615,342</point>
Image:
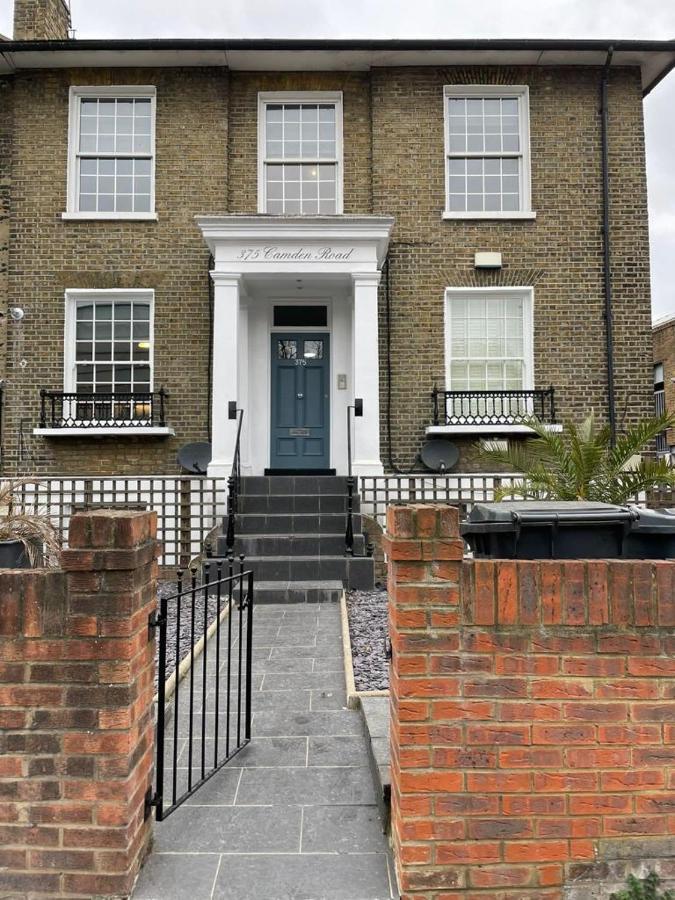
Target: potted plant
<point>27,536</point>
<point>582,463</point>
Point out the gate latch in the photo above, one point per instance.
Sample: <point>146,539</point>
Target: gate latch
<point>155,620</point>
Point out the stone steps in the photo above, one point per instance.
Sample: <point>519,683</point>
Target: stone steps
<point>291,530</point>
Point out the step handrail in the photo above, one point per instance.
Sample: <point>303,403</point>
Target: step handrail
<point>357,409</point>
<point>234,484</point>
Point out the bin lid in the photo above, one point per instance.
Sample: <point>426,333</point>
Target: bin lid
<point>655,521</point>
<point>511,514</point>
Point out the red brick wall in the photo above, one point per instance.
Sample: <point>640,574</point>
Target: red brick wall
<point>76,714</point>
<point>533,719</point>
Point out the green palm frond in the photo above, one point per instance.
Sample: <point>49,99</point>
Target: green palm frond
<point>580,463</point>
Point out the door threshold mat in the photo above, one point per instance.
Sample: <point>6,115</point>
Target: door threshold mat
<point>299,471</point>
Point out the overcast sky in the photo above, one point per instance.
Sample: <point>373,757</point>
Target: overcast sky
<point>653,19</point>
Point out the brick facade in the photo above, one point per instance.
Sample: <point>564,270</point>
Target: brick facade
<point>532,707</point>
<point>76,673</point>
<point>664,352</point>
<point>41,20</point>
<point>394,165</point>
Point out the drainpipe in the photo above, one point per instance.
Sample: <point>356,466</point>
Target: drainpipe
<point>607,256</point>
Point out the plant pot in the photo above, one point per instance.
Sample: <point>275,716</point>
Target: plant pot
<point>13,555</point>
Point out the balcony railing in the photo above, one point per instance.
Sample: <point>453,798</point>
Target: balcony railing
<point>113,410</point>
<point>492,407</point>
<point>659,410</point>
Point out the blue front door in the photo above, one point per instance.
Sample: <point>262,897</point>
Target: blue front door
<point>300,401</point>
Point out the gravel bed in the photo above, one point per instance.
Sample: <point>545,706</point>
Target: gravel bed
<point>368,630</point>
<point>167,589</point>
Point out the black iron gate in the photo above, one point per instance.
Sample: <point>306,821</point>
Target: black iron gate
<point>205,631</point>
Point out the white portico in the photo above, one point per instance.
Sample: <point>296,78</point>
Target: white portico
<point>269,273</point>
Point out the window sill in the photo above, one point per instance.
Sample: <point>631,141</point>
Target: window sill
<point>106,431</point>
<point>442,430</point>
<point>489,216</point>
<point>109,217</point>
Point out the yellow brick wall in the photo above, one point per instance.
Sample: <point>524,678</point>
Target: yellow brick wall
<point>394,165</point>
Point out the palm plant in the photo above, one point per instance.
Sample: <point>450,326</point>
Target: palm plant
<point>580,462</point>
<point>30,527</point>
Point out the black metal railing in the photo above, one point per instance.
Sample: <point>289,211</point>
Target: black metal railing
<point>206,628</point>
<point>234,481</point>
<point>492,407</point>
<point>659,410</point>
<point>59,409</point>
<point>357,409</point>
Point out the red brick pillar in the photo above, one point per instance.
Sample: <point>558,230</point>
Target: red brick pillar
<point>76,710</point>
<point>533,719</point>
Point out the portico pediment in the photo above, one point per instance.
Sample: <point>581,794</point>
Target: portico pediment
<point>306,244</point>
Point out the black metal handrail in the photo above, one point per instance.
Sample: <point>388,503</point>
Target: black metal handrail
<point>357,409</point>
<point>492,407</point>
<point>137,409</point>
<point>234,481</point>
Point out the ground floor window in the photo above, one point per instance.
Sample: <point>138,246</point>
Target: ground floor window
<point>488,340</point>
<point>108,353</point>
<point>489,367</point>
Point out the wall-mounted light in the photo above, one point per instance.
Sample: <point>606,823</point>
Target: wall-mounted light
<point>16,313</point>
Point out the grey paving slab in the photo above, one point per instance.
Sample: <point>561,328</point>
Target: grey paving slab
<point>309,681</point>
<point>336,699</point>
<point>279,666</point>
<point>331,785</point>
<point>329,664</point>
<point>272,724</point>
<point>193,829</point>
<point>311,877</point>
<point>276,751</point>
<point>220,790</point>
<point>337,751</point>
<point>175,876</point>
<point>342,829</point>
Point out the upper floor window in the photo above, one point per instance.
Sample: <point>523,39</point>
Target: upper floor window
<point>111,152</point>
<point>487,148</point>
<point>300,153</point>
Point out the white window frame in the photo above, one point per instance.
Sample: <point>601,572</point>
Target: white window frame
<point>270,97</point>
<point>526,294</point>
<point>76,297</point>
<point>124,91</point>
<point>518,92</point>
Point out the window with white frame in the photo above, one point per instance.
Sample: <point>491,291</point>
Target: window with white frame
<point>109,342</point>
<point>489,340</point>
<point>487,146</point>
<point>300,153</point>
<point>112,152</point>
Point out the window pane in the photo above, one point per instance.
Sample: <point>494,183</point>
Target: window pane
<point>113,126</point>
<point>305,189</point>
<point>304,131</point>
<point>487,342</point>
<point>287,349</point>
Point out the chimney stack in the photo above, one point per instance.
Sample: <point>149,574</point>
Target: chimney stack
<point>41,20</point>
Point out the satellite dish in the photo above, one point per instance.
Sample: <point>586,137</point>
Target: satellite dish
<point>439,455</point>
<point>195,457</point>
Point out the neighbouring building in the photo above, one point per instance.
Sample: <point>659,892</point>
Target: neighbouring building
<point>294,225</point>
<point>664,378</point>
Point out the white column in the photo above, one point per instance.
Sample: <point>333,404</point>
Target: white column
<point>227,352</point>
<point>366,446</point>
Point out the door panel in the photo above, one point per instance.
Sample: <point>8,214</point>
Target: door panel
<point>300,433</point>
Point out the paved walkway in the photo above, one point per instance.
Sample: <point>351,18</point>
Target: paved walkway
<point>293,816</point>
